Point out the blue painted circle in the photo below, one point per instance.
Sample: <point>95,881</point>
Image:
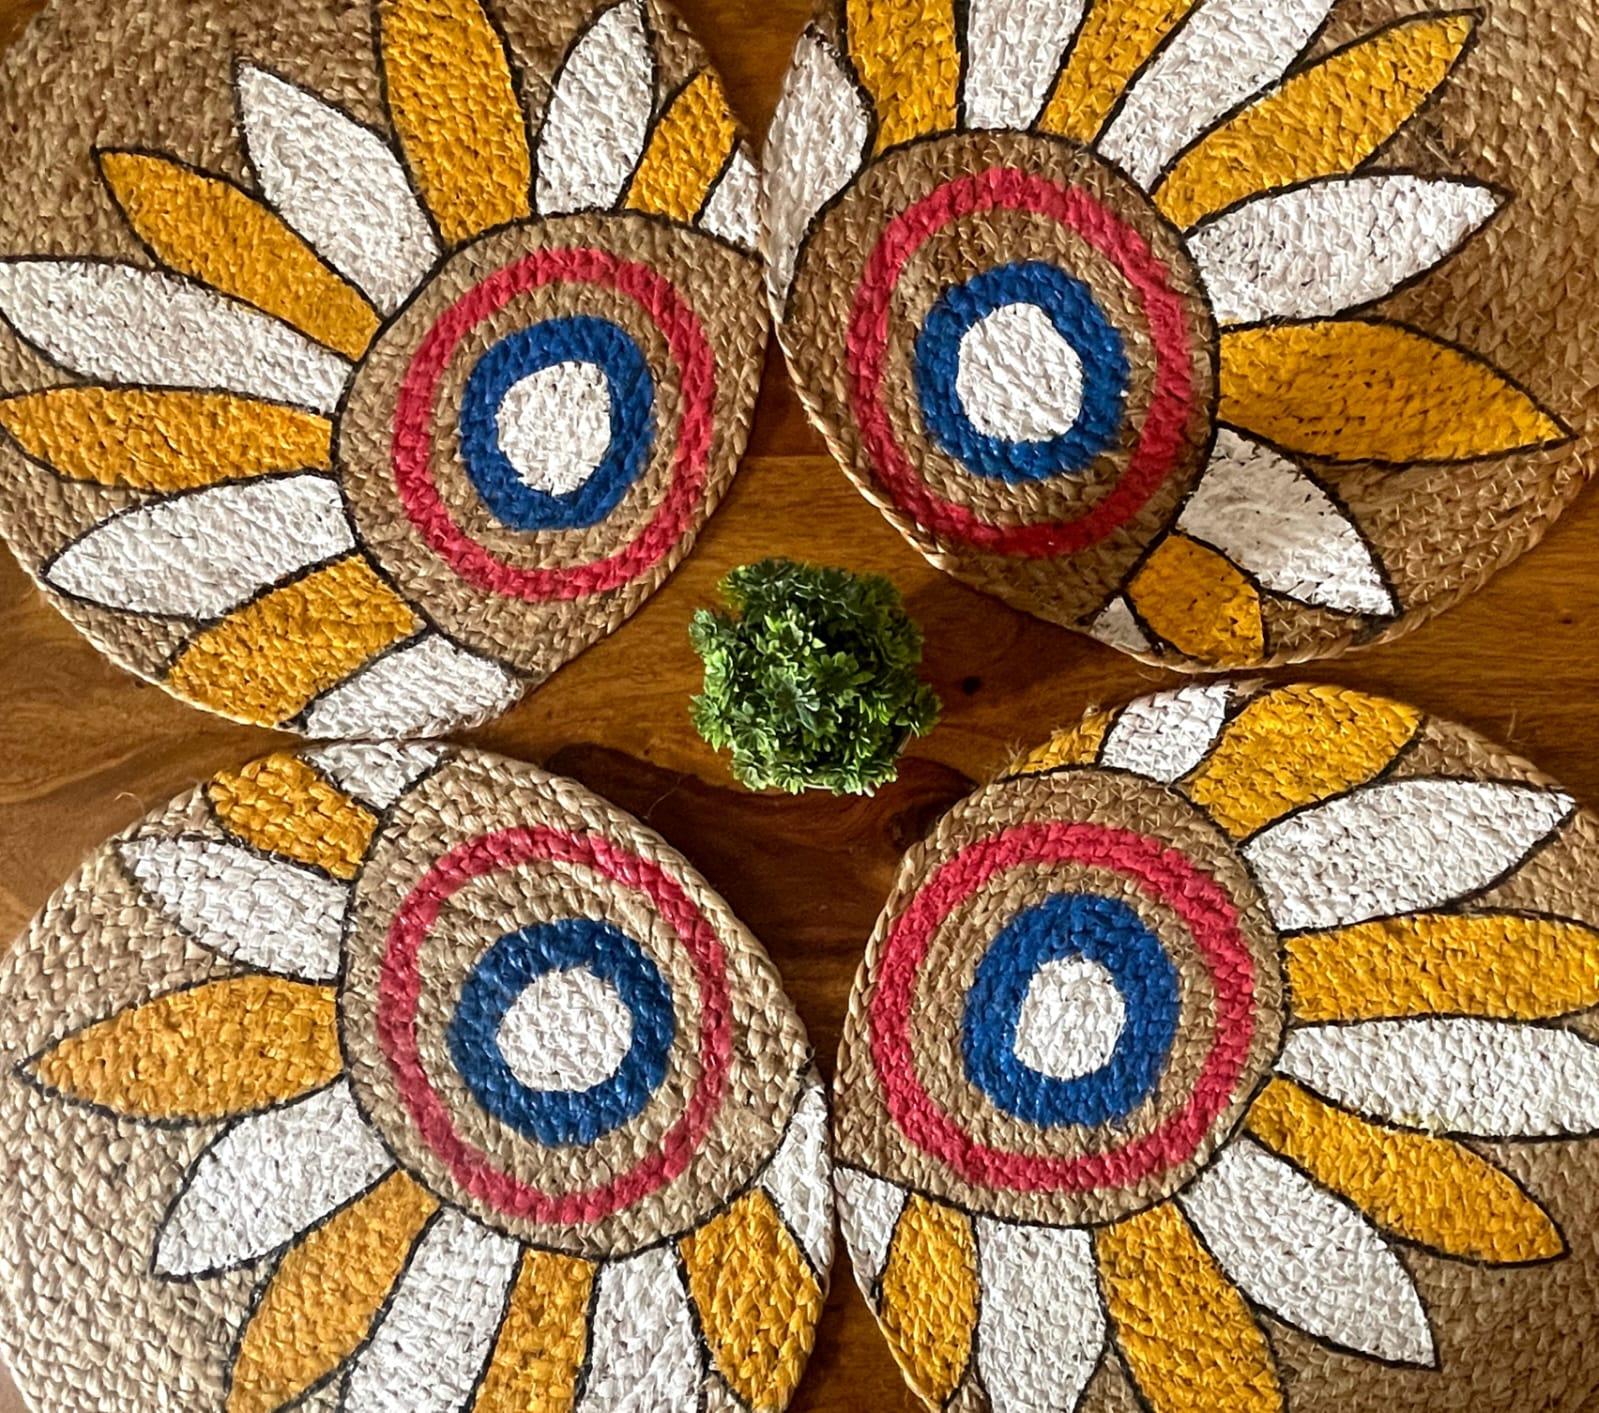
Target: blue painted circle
<point>1070,306</point>
<point>549,1116</point>
<point>579,338</point>
<point>1064,926</point>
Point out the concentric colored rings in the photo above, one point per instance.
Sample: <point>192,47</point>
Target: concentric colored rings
<point>1071,309</point>
<point>1153,871</point>
<point>398,1024</point>
<point>585,342</point>
<point>415,451</point>
<point>1160,446</point>
<point>1111,939</point>
<point>504,975</point>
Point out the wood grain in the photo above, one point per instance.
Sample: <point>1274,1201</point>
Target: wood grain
<point>86,749</point>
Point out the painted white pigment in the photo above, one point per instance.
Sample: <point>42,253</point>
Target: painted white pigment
<point>555,426</point>
<point>1071,1019</point>
<point>1017,378</point>
<point>568,1030</point>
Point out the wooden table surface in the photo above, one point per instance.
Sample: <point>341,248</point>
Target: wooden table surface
<point>86,749</point>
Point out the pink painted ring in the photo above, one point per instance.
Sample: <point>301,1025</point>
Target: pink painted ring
<point>1157,871</point>
<point>414,416</point>
<point>400,985</point>
<point>1161,440</point>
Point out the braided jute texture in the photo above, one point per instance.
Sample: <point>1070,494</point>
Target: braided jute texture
<point>364,361</point>
<point>1232,334</point>
<point>405,1078</point>
<point>1238,1050</point>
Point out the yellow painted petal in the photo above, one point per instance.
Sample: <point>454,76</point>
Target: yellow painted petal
<point>1323,122</point>
<point>203,1053</point>
<point>208,229</point>
<point>1117,39</point>
<point>1079,746</point>
<point>1349,390</point>
<point>1189,1339</point>
<point>1504,966</point>
<point>266,661</point>
<point>686,153</point>
<point>757,1299</point>
<point>929,1297</point>
<point>164,441</point>
<point>324,1296</point>
<point>453,103</point>
<point>1429,1190</point>
<point>1200,603</point>
<point>1293,746</point>
<point>541,1344</point>
<point>282,806</point>
<point>908,59</point>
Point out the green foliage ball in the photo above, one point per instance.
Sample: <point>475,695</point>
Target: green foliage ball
<point>810,680</point>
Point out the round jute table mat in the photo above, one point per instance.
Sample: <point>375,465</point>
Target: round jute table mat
<point>1236,1051</point>
<point>362,363</point>
<point>405,1078</point>
<point>1230,334</point>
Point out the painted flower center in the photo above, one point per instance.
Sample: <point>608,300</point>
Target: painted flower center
<point>1020,375</point>
<point>1017,377</point>
<point>1072,1012</point>
<point>567,1030</point>
<point>555,426</point>
<point>557,422</point>
<point>563,1030</point>
<point>1071,1019</point>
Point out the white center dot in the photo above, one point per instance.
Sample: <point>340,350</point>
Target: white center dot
<point>555,425</point>
<point>567,1030</point>
<point>1071,1019</point>
<point>1017,378</point>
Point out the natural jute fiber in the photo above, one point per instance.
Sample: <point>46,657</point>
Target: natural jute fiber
<point>409,1079</point>
<point>1228,333</point>
<point>363,363</point>
<point>1236,1053</point>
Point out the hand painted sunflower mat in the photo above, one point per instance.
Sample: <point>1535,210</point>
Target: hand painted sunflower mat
<point>1229,333</point>
<point>405,1079</point>
<point>366,362</point>
<point>1236,1053</point>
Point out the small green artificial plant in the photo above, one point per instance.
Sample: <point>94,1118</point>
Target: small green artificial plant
<point>811,680</point>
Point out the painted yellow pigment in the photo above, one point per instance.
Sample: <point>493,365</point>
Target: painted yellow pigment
<point>1200,603</point>
<point>929,1300</point>
<point>1117,39</point>
<point>540,1348</point>
<point>282,806</point>
<point>690,146</point>
<point>906,55</point>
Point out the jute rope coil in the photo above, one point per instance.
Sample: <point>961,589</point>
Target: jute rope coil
<point>1236,1051</point>
<point>402,1077</point>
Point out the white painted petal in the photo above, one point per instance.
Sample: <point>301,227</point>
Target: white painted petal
<point>817,142</point>
<point>432,1342</point>
<point>201,554</point>
<point>267,1179</point>
<point>1117,628</point>
<point>339,185</point>
<point>1491,1079</point>
<point>1319,250</point>
<point>376,774</point>
<point>733,211</point>
<point>1397,846</point>
<point>599,115</point>
<point>868,1211</point>
<point>1307,1257</point>
<point>1013,56</point>
<point>123,324</point>
<point>1041,1330</point>
<point>1166,736</point>
<point>1227,51</point>
<point>800,1179</point>
<point>263,912</point>
<point>1269,517</point>
<point>644,1355</point>
<point>425,688</point>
